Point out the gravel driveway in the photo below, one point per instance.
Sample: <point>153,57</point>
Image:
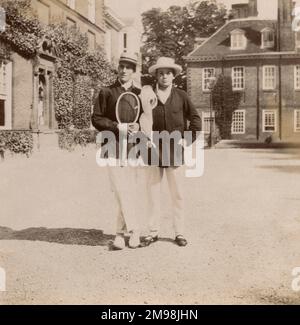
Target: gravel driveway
<point>242,223</point>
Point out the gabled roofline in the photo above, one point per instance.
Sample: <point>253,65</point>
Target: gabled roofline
<point>237,30</point>
<point>244,56</point>
<point>225,25</point>
<point>215,33</point>
<point>267,28</point>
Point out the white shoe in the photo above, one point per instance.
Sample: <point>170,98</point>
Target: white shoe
<point>134,240</point>
<point>119,242</point>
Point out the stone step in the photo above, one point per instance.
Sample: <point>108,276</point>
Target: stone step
<point>47,140</point>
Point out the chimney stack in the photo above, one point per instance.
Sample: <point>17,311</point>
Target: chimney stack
<point>244,10</point>
<point>286,35</point>
<point>240,10</point>
<point>252,5</point>
<point>285,9</point>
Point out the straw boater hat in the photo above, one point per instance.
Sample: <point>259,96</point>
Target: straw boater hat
<point>128,57</point>
<point>165,62</point>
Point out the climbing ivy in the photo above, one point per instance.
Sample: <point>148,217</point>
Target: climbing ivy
<point>17,141</point>
<point>23,30</point>
<point>78,70</point>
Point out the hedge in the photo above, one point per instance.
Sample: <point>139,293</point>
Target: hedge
<point>17,141</point>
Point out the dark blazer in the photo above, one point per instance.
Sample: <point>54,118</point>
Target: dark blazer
<point>104,113</point>
<point>174,115</point>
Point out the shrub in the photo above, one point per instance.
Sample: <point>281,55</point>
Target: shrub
<point>225,101</point>
<point>81,116</point>
<point>17,141</point>
<point>24,33</point>
<point>69,138</point>
<point>63,97</point>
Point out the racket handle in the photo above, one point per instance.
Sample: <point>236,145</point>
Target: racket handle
<point>123,130</point>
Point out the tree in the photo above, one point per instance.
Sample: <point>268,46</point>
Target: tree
<point>173,32</point>
<point>225,101</point>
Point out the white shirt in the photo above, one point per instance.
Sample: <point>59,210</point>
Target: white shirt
<point>163,95</point>
<point>127,85</point>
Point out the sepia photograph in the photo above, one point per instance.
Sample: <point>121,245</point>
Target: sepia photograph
<point>150,154</point>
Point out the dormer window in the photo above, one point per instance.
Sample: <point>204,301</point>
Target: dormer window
<point>238,39</point>
<point>267,38</point>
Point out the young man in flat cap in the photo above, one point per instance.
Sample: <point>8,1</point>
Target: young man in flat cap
<point>171,114</point>
<point>123,179</point>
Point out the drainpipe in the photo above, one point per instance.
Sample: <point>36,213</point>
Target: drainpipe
<point>280,100</point>
<point>279,74</point>
<point>257,102</point>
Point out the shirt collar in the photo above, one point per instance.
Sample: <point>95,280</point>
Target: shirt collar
<point>166,91</point>
<point>163,94</point>
<point>127,85</point>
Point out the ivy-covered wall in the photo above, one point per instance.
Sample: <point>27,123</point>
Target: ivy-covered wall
<point>78,70</point>
<point>16,141</point>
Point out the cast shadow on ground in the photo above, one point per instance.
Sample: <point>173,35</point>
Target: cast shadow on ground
<point>284,169</point>
<point>65,236</point>
<point>286,154</point>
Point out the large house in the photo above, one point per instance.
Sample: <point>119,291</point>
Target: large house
<point>26,89</point>
<point>87,15</point>
<point>263,59</point>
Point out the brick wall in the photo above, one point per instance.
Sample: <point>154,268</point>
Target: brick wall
<point>268,99</point>
<point>57,13</point>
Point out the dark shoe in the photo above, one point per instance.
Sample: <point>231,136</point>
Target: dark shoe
<point>181,241</point>
<point>148,240</point>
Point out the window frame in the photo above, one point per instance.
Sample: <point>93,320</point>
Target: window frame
<point>204,89</point>
<point>3,79</point>
<point>265,112</point>
<point>234,77</point>
<point>206,116</point>
<point>297,40</point>
<point>267,44</point>
<point>125,41</point>
<point>242,44</point>
<point>244,122</point>
<point>92,11</point>
<point>7,97</point>
<point>93,35</point>
<point>296,128</point>
<point>265,87</point>
<point>297,76</point>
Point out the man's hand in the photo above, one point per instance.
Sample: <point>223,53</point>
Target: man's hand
<point>129,128</point>
<point>182,142</point>
<point>132,128</point>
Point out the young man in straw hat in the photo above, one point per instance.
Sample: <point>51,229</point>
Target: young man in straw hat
<point>123,179</point>
<point>172,112</point>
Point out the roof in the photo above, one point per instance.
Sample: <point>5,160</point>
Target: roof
<point>219,44</point>
<point>112,19</point>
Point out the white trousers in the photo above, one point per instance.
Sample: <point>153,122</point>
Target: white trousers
<point>175,177</point>
<point>123,181</point>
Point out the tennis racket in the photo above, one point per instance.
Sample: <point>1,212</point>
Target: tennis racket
<point>127,113</point>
